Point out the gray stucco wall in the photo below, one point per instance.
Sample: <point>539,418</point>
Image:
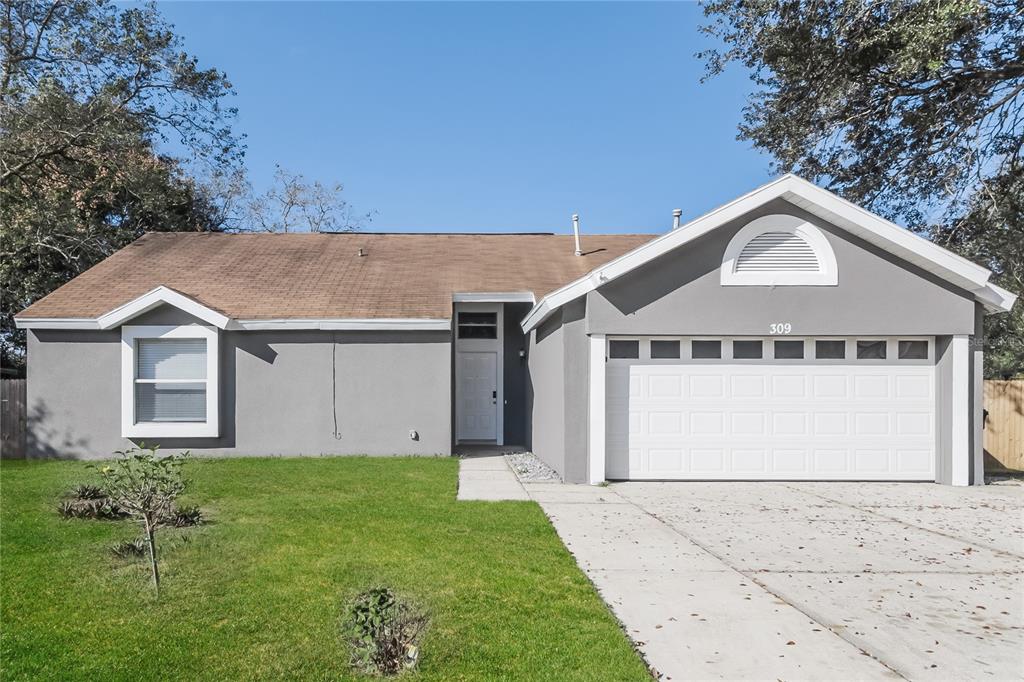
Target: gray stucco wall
<point>559,386</point>
<point>680,293</point>
<point>279,393</point>
<point>577,386</point>
<point>546,392</point>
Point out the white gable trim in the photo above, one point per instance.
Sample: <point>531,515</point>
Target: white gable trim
<point>996,298</point>
<point>856,220</point>
<point>160,296</point>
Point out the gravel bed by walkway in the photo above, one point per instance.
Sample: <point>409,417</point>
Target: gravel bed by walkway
<point>530,469</point>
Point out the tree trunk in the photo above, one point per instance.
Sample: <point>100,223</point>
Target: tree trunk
<point>151,541</point>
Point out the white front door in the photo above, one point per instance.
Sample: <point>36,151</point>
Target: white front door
<point>477,393</point>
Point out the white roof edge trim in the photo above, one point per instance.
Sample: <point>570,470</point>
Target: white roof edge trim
<point>900,236</point>
<point>996,299</point>
<point>343,324</point>
<point>159,296</point>
<point>948,263</point>
<point>340,324</point>
<point>495,297</point>
<point>56,323</point>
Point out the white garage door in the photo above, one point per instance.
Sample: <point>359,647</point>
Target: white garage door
<point>810,409</point>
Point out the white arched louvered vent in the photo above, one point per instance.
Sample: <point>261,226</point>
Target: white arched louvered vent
<point>779,250</point>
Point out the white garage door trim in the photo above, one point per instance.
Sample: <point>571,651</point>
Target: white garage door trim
<point>767,418</point>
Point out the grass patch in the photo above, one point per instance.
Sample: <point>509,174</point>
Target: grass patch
<point>257,592</point>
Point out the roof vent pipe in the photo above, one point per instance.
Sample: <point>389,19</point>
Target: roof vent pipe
<point>576,232</point>
<point>677,214</point>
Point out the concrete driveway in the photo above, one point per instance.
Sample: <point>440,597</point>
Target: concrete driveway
<point>806,580</point>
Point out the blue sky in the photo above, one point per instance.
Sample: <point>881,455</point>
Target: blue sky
<point>484,116</point>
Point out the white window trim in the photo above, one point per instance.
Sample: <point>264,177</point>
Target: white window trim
<point>643,350</point>
<point>827,275</point>
<point>129,338</point>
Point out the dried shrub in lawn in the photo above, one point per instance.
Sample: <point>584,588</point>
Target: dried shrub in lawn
<point>183,517</point>
<point>86,491</point>
<point>384,632</point>
<point>90,506</point>
<point>130,549</point>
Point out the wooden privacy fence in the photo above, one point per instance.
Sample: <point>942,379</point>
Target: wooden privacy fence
<point>1004,424</point>
<point>13,418</point>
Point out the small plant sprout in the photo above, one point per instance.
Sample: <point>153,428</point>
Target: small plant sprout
<point>383,632</point>
<point>144,485</point>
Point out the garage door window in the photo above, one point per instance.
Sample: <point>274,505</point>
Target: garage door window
<point>664,350</point>
<point>871,350</point>
<point>830,350</point>
<point>706,350</point>
<point>789,350</point>
<point>746,350</point>
<point>624,349</point>
<point>913,350</point>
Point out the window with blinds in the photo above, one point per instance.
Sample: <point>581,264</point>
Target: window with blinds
<point>170,380</point>
<point>777,252</point>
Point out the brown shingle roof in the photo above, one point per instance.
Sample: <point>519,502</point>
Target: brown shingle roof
<point>252,276</point>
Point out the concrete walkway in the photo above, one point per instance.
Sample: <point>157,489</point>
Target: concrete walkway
<point>488,477</point>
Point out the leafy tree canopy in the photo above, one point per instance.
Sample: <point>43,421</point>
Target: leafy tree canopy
<point>88,93</point>
<point>913,109</point>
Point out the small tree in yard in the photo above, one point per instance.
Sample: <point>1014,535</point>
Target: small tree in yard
<point>145,485</point>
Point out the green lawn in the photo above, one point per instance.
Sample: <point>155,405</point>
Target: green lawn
<point>256,593</point>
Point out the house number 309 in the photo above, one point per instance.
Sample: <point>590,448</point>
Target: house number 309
<point>780,328</point>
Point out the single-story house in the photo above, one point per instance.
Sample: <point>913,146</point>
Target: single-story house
<point>786,335</point>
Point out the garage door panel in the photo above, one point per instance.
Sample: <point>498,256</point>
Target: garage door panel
<point>706,386</point>
<point>748,386</point>
<point>749,461</point>
<point>748,424</point>
<point>789,386</point>
<point>707,461</point>
<point>833,386</point>
<point>831,462</point>
<point>872,387</point>
<point>914,424</point>
<point>768,420</point>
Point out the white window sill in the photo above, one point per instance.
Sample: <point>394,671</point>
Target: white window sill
<point>171,430</point>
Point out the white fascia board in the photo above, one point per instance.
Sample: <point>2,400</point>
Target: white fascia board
<point>56,323</point>
<point>495,297</point>
<point>344,324</point>
<point>995,298</point>
<point>863,223</point>
<point>895,239</point>
<point>160,296</point>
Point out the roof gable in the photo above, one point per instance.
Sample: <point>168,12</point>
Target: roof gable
<point>813,199</point>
